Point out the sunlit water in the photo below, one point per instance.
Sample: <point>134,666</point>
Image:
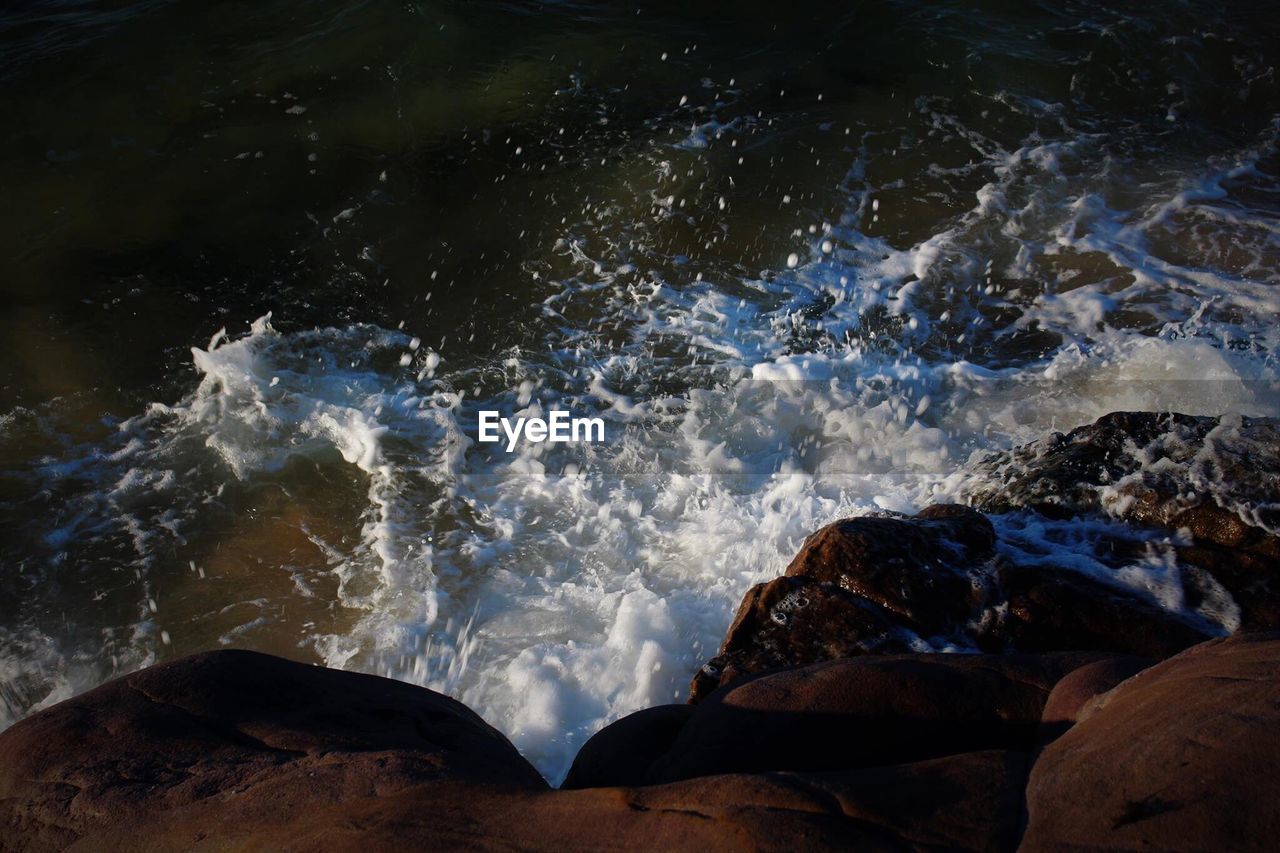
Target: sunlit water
<point>805,262</point>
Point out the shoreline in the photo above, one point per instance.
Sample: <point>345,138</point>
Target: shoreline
<point>1076,715</point>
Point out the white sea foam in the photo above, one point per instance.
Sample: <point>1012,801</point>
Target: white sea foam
<point>556,588</point>
<point>597,593</point>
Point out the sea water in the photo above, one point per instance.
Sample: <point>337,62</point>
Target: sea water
<point>802,265</point>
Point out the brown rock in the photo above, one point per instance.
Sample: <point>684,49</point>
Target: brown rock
<point>881,585</point>
<point>1181,756</point>
<point>792,621</point>
<point>234,724</point>
<point>866,584</point>
<point>969,802</point>
<point>1049,609</point>
<point>240,751</point>
<point>920,569</point>
<point>1081,686</point>
<point>620,754</point>
<point>866,711</point>
<point>1249,574</point>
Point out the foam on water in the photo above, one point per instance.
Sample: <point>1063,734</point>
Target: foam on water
<point>599,591</point>
<point>557,588</point>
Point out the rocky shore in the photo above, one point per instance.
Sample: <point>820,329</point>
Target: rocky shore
<point>1075,710</point>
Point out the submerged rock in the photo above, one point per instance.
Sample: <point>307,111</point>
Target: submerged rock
<point>1215,479</point>
<point>1150,467</point>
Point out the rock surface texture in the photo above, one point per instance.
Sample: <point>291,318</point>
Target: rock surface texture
<point>240,733</point>
<point>1217,479</point>
<point>239,751</point>
<point>1180,756</point>
<point>1084,714</point>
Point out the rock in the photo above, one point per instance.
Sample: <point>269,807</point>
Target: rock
<point>1047,609</point>
<point>1063,475</point>
<point>1144,466</point>
<point>1248,574</point>
<point>865,584</point>
<point>621,752</point>
<point>866,711</point>
<point>919,569</point>
<point>892,584</point>
<point>236,724</point>
<point>812,726</point>
<point>1180,756</point>
<point>1218,479</point>
<point>792,621</point>
<point>237,750</point>
<point>969,802</point>
<point>1079,687</point>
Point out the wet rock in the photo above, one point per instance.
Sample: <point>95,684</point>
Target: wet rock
<point>1180,756</point>
<point>866,711</point>
<point>235,724</point>
<point>919,569</point>
<point>892,584</point>
<point>1064,474</point>
<point>1248,574</point>
<point>1216,479</point>
<point>792,621</point>
<point>866,584</point>
<point>1047,609</point>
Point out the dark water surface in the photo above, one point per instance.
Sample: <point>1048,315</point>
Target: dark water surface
<point>805,260</point>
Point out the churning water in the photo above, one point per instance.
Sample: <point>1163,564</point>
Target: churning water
<point>264,263</point>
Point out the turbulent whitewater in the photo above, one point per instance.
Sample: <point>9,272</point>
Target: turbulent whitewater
<point>787,306</point>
